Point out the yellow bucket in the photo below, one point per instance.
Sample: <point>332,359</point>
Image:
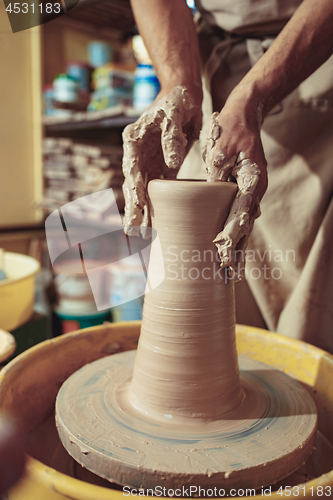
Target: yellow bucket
<point>29,385</point>
<point>17,292</point>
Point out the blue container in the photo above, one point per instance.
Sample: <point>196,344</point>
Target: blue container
<point>81,73</point>
<point>146,86</point>
<point>99,53</point>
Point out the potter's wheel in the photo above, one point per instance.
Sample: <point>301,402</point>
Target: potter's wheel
<point>180,415</point>
<point>104,433</point>
<point>320,462</point>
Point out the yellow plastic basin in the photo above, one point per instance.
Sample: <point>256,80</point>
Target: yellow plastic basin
<point>29,385</point>
<point>17,292</point>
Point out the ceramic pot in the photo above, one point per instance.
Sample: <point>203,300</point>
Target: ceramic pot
<point>186,363</point>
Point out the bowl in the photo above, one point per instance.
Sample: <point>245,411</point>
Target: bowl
<point>17,291</point>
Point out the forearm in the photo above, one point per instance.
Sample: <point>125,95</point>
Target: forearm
<point>168,31</point>
<point>303,45</point>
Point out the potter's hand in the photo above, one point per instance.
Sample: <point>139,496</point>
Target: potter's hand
<point>234,149</point>
<point>155,147</point>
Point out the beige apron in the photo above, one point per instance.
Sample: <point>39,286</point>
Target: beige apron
<point>289,257</point>
<point>249,17</point>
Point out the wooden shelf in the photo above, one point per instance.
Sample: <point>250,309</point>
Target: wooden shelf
<point>65,39</point>
<point>112,14</point>
<point>117,117</point>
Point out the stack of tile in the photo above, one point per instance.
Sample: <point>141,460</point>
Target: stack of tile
<point>74,169</point>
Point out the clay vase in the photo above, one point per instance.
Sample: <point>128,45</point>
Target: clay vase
<point>186,362</point>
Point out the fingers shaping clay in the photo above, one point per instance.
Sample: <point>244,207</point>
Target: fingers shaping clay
<point>155,147</point>
<point>239,223</point>
<point>182,410</point>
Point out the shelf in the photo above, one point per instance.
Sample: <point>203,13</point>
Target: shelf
<point>117,117</point>
<point>112,14</point>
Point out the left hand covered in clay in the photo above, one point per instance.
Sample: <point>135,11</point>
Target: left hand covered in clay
<point>155,147</point>
<point>234,149</point>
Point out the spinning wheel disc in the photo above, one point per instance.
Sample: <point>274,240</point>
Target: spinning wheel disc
<point>103,432</point>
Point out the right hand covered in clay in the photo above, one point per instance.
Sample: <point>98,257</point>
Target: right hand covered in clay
<point>155,147</point>
<point>234,149</point>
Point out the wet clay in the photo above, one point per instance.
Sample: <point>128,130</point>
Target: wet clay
<point>238,226</point>
<point>189,319</point>
<point>155,147</point>
<point>44,445</point>
<point>185,414</point>
<point>102,430</point>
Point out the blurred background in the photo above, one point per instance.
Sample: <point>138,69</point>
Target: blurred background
<point>67,90</point>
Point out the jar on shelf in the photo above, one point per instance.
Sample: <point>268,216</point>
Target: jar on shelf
<point>81,72</point>
<point>146,86</point>
<point>65,88</point>
<point>99,53</point>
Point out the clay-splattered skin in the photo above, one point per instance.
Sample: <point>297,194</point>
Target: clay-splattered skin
<point>155,147</point>
<point>244,210</point>
<point>171,40</point>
